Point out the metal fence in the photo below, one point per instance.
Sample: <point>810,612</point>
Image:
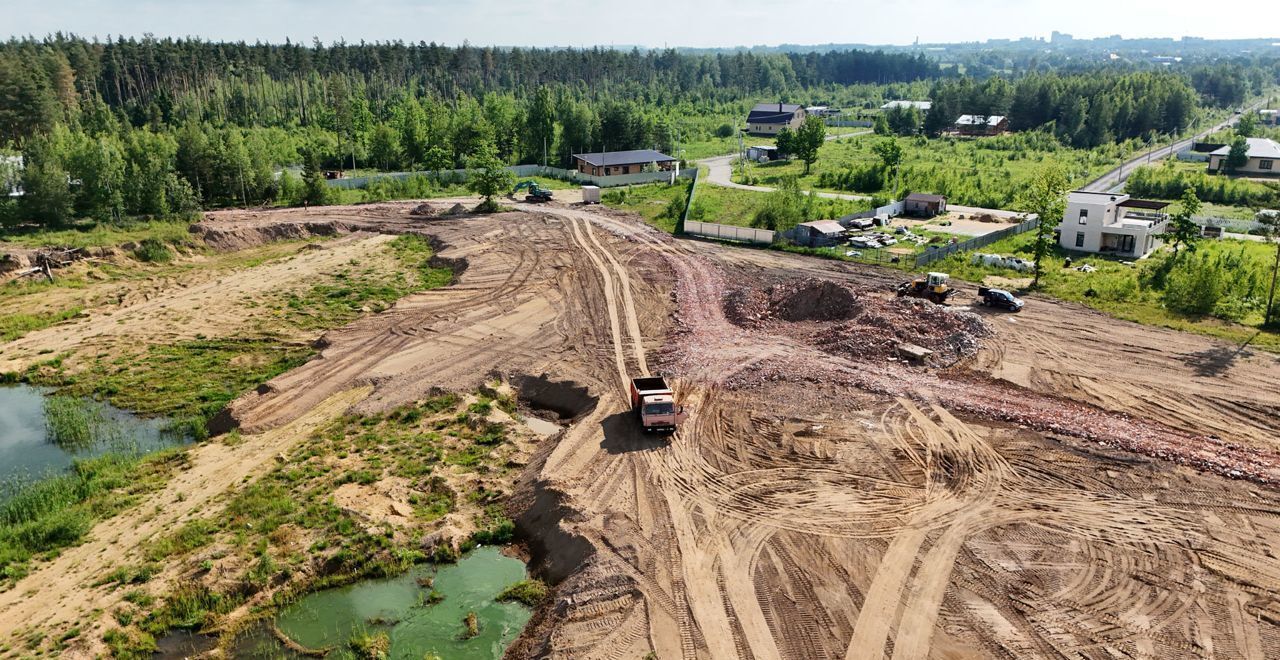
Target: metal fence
<point>523,171</point>
<point>976,242</point>
<point>728,232</point>
<point>688,202</point>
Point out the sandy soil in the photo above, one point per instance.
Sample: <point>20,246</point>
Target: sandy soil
<point>1037,500</point>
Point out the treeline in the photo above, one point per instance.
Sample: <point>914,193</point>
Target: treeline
<point>1083,110</point>
<point>1169,182</point>
<point>150,79</point>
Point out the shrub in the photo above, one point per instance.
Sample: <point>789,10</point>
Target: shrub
<point>529,592</point>
<point>1194,286</point>
<point>153,251</point>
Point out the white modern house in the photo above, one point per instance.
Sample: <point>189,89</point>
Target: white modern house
<point>1112,223</point>
<point>1264,158</point>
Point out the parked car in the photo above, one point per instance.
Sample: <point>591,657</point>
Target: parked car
<point>1000,298</point>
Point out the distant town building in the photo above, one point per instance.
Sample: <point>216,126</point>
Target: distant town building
<point>611,163</point>
<point>982,125</point>
<point>1112,223</point>
<point>1263,154</point>
<point>769,118</point>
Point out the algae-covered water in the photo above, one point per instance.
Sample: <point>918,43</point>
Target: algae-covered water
<point>399,607</point>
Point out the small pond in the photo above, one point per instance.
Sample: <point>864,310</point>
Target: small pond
<point>400,608</point>
<point>31,445</point>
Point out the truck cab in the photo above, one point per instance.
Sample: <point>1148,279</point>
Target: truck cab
<point>655,404</point>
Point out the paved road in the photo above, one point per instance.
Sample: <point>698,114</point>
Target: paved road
<point>1113,179</point>
<point>720,172</point>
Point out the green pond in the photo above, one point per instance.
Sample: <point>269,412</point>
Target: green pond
<point>29,449</point>
<point>398,606</point>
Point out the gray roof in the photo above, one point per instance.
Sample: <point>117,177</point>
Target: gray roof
<point>974,120</point>
<point>925,197</point>
<point>919,105</point>
<point>1258,148</point>
<point>773,113</point>
<point>824,226</point>
<point>633,157</point>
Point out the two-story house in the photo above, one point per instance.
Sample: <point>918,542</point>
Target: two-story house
<point>1112,223</point>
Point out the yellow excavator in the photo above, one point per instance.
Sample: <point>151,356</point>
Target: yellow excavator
<point>933,287</point>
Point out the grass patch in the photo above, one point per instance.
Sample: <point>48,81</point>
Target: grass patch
<point>530,592</point>
<point>195,534</point>
<point>1118,289</point>
<point>14,326</point>
<point>105,234</point>
<point>187,381</point>
<point>38,517</point>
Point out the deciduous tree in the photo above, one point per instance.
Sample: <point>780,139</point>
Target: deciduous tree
<point>1044,196</point>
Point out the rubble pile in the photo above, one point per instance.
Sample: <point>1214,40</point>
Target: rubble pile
<point>424,209</point>
<point>800,300</point>
<point>838,320</point>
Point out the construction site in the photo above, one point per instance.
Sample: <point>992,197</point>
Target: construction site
<point>1052,483</point>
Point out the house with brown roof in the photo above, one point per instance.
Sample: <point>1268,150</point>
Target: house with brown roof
<point>924,205</point>
<point>981,125</point>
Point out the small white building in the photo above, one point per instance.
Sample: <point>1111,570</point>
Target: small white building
<point>922,106</point>
<point>1263,156</point>
<point>817,233</point>
<point>1112,223</point>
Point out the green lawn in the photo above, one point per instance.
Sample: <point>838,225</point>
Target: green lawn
<point>102,234</point>
<point>975,172</point>
<point>1118,289</point>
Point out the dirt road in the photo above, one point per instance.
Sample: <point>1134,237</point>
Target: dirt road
<point>1035,499</point>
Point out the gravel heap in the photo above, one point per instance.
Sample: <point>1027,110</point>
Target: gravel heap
<point>837,319</point>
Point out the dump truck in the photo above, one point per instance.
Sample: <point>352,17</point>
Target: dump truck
<point>655,404</point>
<point>933,287</point>
<point>536,192</point>
<point>988,297</point>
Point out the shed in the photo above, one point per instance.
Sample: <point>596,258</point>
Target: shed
<point>817,233</point>
<point>924,205</point>
<point>763,152</point>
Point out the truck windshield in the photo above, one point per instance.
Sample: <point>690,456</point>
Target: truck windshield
<point>659,409</point>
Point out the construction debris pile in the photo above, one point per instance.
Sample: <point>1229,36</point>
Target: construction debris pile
<point>838,320</point>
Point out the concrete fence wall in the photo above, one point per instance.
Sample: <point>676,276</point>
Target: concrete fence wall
<point>524,171</point>
<point>728,232</point>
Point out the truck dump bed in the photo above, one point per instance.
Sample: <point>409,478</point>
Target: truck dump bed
<point>649,383</point>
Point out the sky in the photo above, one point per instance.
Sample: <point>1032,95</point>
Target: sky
<point>652,23</point>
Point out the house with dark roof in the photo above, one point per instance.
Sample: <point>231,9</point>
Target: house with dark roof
<point>770,118</point>
<point>1264,154</point>
<point>981,125</point>
<point>922,205</point>
<point>612,163</point>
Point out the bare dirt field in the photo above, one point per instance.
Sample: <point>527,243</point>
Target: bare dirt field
<point>1055,483</point>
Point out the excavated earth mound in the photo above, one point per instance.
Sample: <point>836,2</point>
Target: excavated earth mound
<point>840,320</point>
<point>809,299</point>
